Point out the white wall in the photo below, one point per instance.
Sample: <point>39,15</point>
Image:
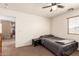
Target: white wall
<point>28,26</point>
<point>59,25</point>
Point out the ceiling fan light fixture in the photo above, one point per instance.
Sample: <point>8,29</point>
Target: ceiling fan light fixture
<point>54,7</point>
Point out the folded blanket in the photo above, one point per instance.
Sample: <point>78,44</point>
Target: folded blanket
<point>65,41</point>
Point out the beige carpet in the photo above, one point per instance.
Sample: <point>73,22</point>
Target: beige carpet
<point>10,50</point>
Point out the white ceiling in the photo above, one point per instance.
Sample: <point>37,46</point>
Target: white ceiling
<point>36,8</point>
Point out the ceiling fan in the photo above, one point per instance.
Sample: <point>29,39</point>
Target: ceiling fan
<point>54,6</point>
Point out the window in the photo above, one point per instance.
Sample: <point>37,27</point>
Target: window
<point>73,25</point>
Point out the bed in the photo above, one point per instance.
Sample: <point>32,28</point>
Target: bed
<point>59,46</point>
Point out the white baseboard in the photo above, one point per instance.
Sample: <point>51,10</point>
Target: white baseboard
<point>22,44</point>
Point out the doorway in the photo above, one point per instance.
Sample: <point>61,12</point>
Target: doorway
<point>8,34</point>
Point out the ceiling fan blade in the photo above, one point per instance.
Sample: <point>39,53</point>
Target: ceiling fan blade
<point>60,6</point>
<point>47,6</point>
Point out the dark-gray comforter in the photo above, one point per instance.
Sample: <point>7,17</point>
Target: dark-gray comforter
<point>57,48</point>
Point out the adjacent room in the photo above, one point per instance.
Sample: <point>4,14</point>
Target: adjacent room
<point>39,29</point>
<point>8,32</point>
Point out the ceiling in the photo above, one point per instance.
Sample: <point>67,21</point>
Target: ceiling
<point>36,8</point>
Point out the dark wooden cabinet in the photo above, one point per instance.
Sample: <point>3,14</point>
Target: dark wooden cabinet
<point>36,42</point>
